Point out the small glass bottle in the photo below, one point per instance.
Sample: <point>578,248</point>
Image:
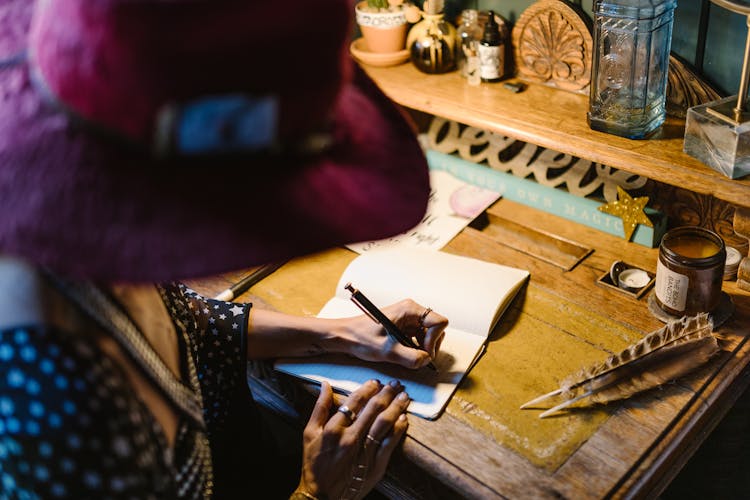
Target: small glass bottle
<point>469,34</point>
<point>632,39</point>
<point>472,64</point>
<point>690,271</point>
<point>491,60</point>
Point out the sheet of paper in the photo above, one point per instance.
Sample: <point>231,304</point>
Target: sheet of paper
<point>452,206</point>
<point>471,293</point>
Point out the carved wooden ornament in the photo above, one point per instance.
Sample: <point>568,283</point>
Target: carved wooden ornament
<point>686,88</point>
<point>552,44</point>
<point>548,167</point>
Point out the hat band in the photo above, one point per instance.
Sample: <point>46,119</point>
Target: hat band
<point>217,125</point>
<point>229,124</point>
<point>207,126</point>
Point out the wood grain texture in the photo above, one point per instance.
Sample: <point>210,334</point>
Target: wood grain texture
<point>742,228</point>
<point>742,222</point>
<point>686,88</point>
<point>547,247</point>
<point>556,119</point>
<point>552,44</point>
<point>639,445</point>
<point>686,208</point>
<point>547,167</point>
<point>631,448</point>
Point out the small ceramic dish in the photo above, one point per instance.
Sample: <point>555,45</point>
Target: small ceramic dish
<point>361,54</point>
<point>627,279</point>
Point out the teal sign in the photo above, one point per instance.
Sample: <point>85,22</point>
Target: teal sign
<point>548,199</point>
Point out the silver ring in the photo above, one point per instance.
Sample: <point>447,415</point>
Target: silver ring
<point>348,413</point>
<point>373,440</point>
<point>423,316</point>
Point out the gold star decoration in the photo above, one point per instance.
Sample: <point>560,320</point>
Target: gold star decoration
<point>630,210</point>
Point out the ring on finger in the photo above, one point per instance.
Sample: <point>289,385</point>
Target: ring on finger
<point>423,316</point>
<point>371,439</point>
<point>348,413</point>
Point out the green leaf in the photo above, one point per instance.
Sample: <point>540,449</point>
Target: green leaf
<point>378,4</point>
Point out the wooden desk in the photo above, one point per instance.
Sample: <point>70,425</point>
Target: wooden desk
<point>641,443</point>
<point>636,446</point>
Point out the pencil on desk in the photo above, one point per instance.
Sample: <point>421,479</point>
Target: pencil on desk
<point>245,283</point>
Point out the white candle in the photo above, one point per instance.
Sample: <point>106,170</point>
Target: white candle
<point>633,279</point>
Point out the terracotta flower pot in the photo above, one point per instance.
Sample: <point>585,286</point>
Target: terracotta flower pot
<point>383,32</point>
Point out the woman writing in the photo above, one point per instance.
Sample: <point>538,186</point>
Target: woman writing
<point>149,141</point>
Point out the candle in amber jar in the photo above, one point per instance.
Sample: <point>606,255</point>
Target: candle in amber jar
<point>690,271</point>
<point>694,247</point>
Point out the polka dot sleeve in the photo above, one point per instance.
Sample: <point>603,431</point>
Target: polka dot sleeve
<point>70,424</point>
<point>218,333</point>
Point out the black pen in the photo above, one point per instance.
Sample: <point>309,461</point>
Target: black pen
<point>245,283</point>
<point>378,317</point>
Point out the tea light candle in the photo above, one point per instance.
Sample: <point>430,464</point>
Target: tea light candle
<point>633,280</point>
<point>732,263</point>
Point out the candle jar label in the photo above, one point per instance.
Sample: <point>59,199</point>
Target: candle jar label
<point>690,271</point>
<point>671,287</point>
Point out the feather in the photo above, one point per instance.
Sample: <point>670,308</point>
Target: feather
<point>661,356</point>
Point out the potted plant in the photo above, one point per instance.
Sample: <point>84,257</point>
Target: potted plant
<point>384,23</point>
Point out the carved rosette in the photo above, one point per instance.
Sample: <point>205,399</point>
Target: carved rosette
<point>686,88</point>
<point>687,208</point>
<point>553,45</point>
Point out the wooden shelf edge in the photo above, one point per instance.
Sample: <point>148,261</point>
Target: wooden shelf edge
<point>558,123</point>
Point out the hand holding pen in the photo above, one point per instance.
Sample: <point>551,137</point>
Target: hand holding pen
<point>429,325</point>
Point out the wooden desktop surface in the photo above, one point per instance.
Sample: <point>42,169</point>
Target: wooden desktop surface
<point>483,446</point>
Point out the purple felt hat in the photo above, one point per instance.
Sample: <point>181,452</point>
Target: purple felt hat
<point>150,140</point>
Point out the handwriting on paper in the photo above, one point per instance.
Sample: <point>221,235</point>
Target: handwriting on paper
<point>452,205</point>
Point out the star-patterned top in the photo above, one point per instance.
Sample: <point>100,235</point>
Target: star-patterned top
<point>71,425</point>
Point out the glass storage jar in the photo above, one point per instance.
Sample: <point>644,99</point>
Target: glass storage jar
<point>632,40</point>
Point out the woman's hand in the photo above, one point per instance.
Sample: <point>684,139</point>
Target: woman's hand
<point>346,454</point>
<point>272,335</point>
<point>367,340</point>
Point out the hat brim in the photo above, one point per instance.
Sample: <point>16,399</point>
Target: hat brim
<point>83,206</point>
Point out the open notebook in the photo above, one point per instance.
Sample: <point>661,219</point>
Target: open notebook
<point>471,293</point>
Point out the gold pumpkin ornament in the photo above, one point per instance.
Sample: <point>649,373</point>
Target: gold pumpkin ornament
<point>432,41</point>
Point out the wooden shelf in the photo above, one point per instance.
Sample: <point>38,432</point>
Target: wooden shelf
<point>556,119</point>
